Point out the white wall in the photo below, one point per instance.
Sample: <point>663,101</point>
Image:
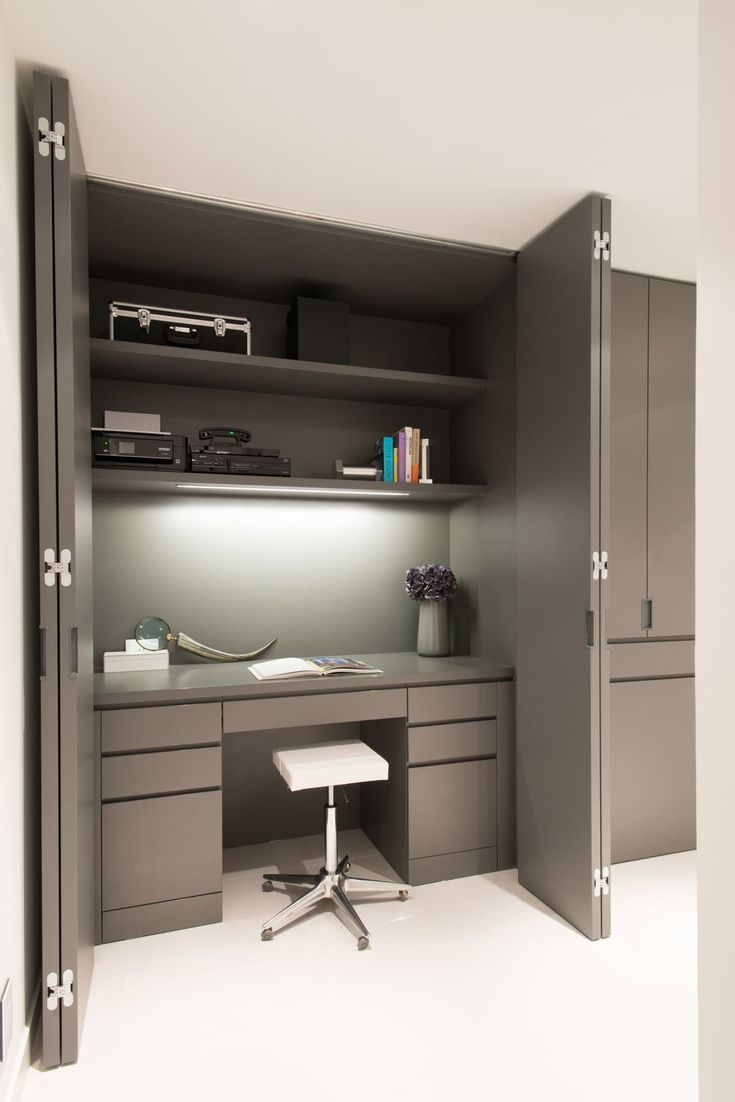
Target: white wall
<point>18,839</point>
<point>715,543</point>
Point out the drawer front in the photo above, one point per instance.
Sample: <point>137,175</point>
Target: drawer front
<point>305,711</point>
<point>449,741</point>
<point>160,728</point>
<point>444,703</point>
<point>451,866</point>
<point>631,660</point>
<point>155,774</point>
<point>451,807</point>
<point>160,918</point>
<point>159,849</point>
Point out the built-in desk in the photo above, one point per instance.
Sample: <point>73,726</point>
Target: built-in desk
<point>446,726</point>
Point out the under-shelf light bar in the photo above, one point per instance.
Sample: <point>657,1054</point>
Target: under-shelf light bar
<point>287,490</point>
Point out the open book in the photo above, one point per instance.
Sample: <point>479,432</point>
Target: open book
<point>278,669</point>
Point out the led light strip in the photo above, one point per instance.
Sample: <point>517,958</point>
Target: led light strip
<point>288,490</point>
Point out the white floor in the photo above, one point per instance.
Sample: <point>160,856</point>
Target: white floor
<point>471,989</point>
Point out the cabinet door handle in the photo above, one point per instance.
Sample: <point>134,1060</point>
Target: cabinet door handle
<point>589,627</point>
<point>646,614</point>
<point>74,652</point>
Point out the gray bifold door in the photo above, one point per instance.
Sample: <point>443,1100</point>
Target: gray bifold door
<point>65,561</point>
<point>563,476</point>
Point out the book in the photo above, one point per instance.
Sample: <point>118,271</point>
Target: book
<point>395,464</point>
<point>280,669</point>
<point>387,459</point>
<point>415,454</point>
<point>401,455</point>
<point>425,462</point>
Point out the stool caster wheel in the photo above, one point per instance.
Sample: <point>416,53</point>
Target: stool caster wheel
<point>403,896</point>
<point>267,886</point>
<point>347,866</point>
<point>362,942</point>
<point>266,935</point>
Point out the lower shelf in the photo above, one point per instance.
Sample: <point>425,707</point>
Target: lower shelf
<point>157,482</point>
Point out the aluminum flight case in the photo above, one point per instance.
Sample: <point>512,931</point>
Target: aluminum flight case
<point>159,325</point>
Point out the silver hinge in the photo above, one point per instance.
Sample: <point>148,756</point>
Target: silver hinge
<point>51,567</point>
<point>599,565</point>
<point>220,327</point>
<point>48,137</point>
<point>144,318</point>
<point>602,245</point>
<point>63,990</point>
<point>601,882</point>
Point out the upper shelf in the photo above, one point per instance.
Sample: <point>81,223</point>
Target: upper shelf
<point>140,363</point>
<point>163,482</point>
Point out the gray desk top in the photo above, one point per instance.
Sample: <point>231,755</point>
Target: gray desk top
<point>233,681</point>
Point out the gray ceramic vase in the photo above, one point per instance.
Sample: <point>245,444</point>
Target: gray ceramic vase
<point>433,636</point>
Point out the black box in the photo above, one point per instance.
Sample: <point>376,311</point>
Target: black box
<point>180,328</point>
<point>318,329</point>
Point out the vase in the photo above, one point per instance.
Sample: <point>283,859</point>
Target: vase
<point>433,635</point>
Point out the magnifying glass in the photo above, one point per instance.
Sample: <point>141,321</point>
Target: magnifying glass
<point>153,633</point>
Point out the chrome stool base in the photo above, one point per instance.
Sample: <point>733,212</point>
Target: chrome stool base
<point>334,885</point>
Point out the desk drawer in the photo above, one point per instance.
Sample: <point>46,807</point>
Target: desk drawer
<point>174,725</point>
<point>447,741</point>
<point>451,807</point>
<point>444,703</point>
<point>306,711</point>
<point>161,848</point>
<point>154,774</point>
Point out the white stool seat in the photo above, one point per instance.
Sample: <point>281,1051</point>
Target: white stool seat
<point>328,764</point>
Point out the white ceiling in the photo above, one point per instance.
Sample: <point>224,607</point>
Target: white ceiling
<point>473,119</point>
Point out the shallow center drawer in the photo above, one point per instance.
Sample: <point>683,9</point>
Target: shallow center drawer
<point>451,741</point>
<point>156,774</point>
<point>305,711</point>
<point>443,703</point>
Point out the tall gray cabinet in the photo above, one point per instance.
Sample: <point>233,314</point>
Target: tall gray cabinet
<point>650,624</point>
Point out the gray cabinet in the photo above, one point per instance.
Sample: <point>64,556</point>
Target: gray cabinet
<point>452,807</point>
<point>652,767</point>
<point>652,458</point>
<point>160,819</point>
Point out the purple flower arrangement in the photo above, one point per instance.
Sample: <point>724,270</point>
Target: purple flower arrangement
<point>430,582</point>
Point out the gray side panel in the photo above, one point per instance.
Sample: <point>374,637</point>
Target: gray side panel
<point>159,918</point>
<point>628,461</point>
<point>451,866</point>
<point>76,760</point>
<point>384,805</point>
<point>558,673</point>
<point>653,768</point>
<point>48,538</point>
<point>159,849</point>
<point>451,807</point>
<point>671,457</point>
<point>506,757</point>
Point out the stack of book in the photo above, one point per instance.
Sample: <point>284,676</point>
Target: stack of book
<point>404,457</point>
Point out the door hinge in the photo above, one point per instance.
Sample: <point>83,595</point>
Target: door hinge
<point>63,990</point>
<point>601,882</point>
<point>602,245</point>
<point>51,567</point>
<point>48,137</point>
<point>599,565</point>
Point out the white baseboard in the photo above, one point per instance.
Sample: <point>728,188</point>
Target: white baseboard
<point>13,1080</point>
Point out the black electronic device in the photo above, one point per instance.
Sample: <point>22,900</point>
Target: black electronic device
<point>226,435</point>
<point>151,451</point>
<point>208,460</point>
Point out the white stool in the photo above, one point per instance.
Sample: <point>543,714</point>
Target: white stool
<point>325,766</point>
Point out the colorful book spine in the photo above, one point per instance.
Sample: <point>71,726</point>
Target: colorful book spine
<point>415,454</point>
<point>409,453</point>
<point>395,463</point>
<point>387,459</point>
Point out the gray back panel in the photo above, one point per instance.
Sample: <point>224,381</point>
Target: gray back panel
<point>628,463</point>
<point>76,776</point>
<point>560,292</point>
<point>671,457</point>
